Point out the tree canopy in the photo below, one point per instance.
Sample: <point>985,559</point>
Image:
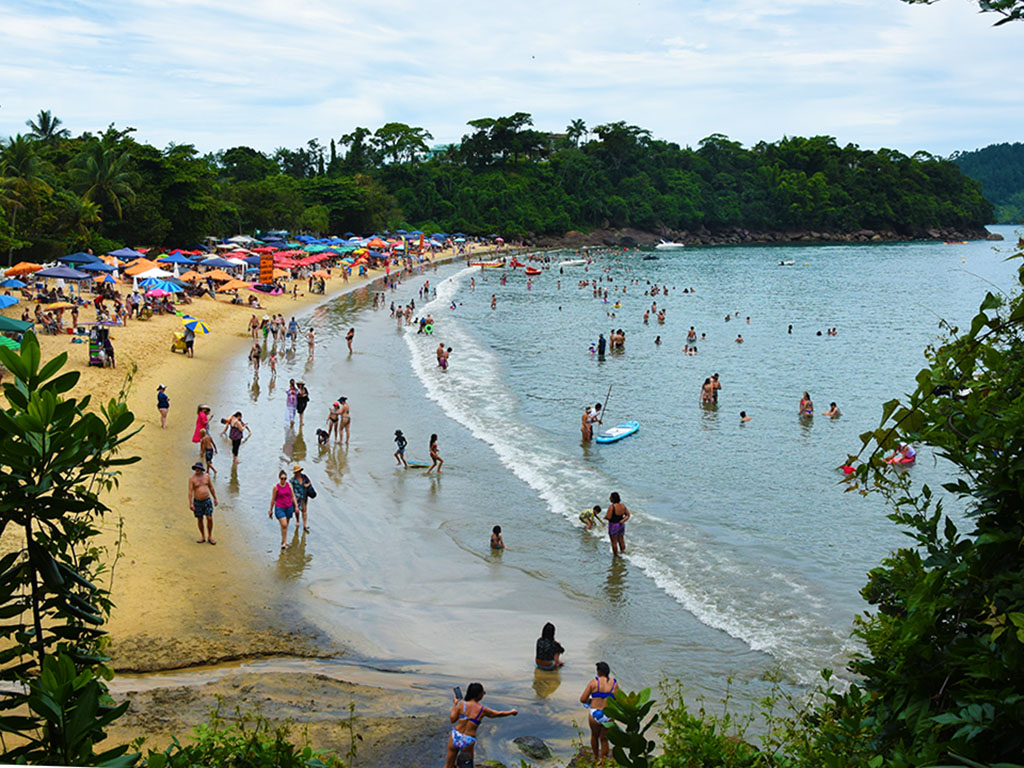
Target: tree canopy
<point>60,192</point>
<point>999,168</point>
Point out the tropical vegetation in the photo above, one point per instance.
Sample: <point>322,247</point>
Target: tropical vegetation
<point>60,192</point>
<point>999,168</point>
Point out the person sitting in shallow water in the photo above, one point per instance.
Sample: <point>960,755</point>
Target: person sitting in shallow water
<point>549,652</point>
<point>833,411</point>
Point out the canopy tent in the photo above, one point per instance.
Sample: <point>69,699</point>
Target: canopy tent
<point>125,253</point>
<point>78,258</point>
<point>10,325</point>
<point>153,272</point>
<point>236,262</point>
<point>140,266</point>
<point>176,258</point>
<point>242,239</point>
<point>63,273</point>
<point>217,261</point>
<point>98,266</point>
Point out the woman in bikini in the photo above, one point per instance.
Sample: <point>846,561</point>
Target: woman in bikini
<point>586,428</point>
<point>806,406</point>
<point>466,716</point>
<point>332,421</point>
<point>435,457</point>
<point>707,392</point>
<point>594,697</point>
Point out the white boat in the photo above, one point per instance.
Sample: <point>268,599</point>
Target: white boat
<point>573,263</point>
<point>665,245</point>
<point>789,263</point>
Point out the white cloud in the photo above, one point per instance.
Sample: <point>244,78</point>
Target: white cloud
<point>268,73</point>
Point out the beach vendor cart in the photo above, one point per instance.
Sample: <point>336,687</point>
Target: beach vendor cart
<point>178,343</point>
<point>101,351</point>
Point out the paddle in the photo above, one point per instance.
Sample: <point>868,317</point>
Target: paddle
<point>604,408</point>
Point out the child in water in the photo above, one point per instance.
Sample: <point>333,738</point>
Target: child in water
<point>497,542</point>
<point>589,516</point>
<point>401,442</point>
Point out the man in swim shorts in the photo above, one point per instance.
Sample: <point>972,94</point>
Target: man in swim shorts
<point>202,498</point>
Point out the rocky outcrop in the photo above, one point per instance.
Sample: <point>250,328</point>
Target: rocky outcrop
<point>532,747</point>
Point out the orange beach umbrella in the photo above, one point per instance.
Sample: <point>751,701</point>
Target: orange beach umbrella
<point>23,268</point>
<point>233,285</point>
<point>217,274</point>
<point>191,276</point>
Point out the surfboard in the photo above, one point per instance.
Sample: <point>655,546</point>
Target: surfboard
<point>616,433</point>
<point>417,464</point>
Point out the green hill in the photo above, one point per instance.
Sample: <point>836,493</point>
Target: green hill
<point>999,168</point>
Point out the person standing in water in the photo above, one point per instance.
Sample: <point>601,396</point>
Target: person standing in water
<point>282,505</point>
<point>348,338</point>
<point>616,516</point>
<point>594,698</point>
<point>202,498</point>
<point>291,401</point>
<point>435,457</point>
<point>466,716</point>
<point>235,428</point>
<point>401,442</point>
<point>806,406</point>
<point>587,428</point>
<point>301,400</point>
<point>346,420</point>
<point>207,447</point>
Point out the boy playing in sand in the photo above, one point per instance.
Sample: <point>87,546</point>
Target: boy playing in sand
<point>207,447</point>
<point>401,442</point>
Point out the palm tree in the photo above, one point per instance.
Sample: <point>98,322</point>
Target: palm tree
<point>46,128</point>
<point>21,178</point>
<point>576,130</point>
<point>80,214</point>
<point>103,176</point>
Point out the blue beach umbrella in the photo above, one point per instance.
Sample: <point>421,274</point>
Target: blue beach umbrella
<point>194,324</point>
<point>7,301</point>
<point>125,253</point>
<point>78,258</point>
<point>176,258</point>
<point>97,266</point>
<point>11,282</point>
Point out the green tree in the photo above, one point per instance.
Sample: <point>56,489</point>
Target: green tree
<point>576,130</point>
<point>46,128</point>
<point>399,142</point>
<point>21,178</point>
<point>359,156</point>
<point>103,176</point>
<point>56,457</point>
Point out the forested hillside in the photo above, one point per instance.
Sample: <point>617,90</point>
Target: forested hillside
<point>999,168</point>
<point>61,193</point>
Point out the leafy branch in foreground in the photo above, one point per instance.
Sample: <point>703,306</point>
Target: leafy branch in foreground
<point>56,458</point>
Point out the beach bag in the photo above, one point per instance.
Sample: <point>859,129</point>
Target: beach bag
<point>235,433</point>
<point>310,490</point>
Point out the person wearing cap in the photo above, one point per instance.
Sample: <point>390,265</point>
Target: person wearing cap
<point>163,402</point>
<point>202,498</point>
<point>401,442</point>
<point>300,490</point>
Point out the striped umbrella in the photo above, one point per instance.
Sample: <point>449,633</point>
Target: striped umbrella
<point>194,324</point>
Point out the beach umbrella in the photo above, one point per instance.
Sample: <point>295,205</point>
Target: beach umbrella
<point>141,265</point>
<point>23,268</point>
<point>176,258</point>
<point>107,279</point>
<point>7,341</point>
<point>234,285</point>
<point>216,261</point>
<point>7,301</point>
<point>152,272</point>
<point>321,273</point>
<point>191,276</point>
<point>281,273</point>
<point>194,324</point>
<point>163,285</point>
<point>158,292</point>
<point>12,282</point>
<point>58,305</point>
<point>217,274</point>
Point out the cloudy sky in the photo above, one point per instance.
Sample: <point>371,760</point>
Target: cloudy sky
<point>271,73</point>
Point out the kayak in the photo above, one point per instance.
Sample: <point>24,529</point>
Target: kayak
<point>617,433</point>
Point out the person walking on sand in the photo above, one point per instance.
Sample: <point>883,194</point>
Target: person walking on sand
<point>466,716</point>
<point>616,516</point>
<point>202,419</point>
<point>435,457</point>
<point>282,505</point>
<point>207,448</point>
<point>235,429</point>
<point>348,338</point>
<point>301,486</point>
<point>401,442</point>
<point>291,401</point>
<point>202,498</point>
<point>594,698</point>
<point>163,403</point>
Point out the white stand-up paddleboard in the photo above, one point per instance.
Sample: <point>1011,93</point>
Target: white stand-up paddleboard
<point>617,433</point>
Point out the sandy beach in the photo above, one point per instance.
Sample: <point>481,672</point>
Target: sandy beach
<point>180,604</point>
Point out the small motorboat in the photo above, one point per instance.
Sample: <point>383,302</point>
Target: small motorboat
<point>532,271</point>
<point>666,245</point>
<point>789,263</point>
<point>573,263</point>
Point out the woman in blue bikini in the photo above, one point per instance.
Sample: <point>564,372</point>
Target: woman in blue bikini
<point>466,716</point>
<point>594,696</point>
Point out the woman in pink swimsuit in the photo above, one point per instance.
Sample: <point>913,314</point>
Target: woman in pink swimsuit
<point>282,505</point>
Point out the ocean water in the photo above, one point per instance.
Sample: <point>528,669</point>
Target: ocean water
<point>743,553</point>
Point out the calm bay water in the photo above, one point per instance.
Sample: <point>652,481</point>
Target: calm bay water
<point>743,553</point>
